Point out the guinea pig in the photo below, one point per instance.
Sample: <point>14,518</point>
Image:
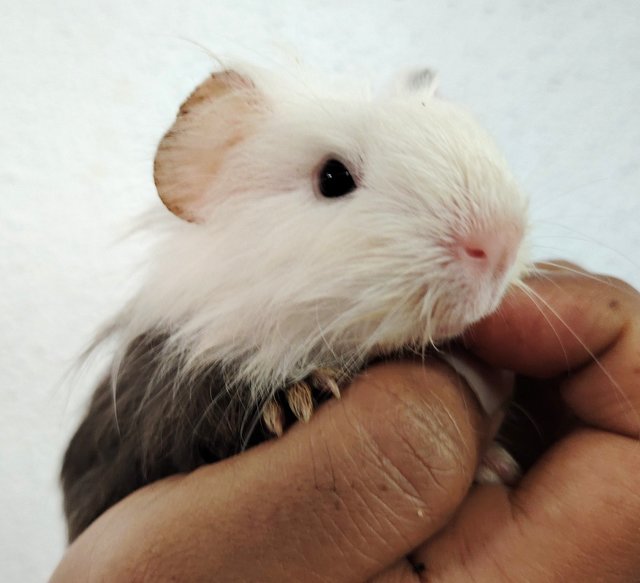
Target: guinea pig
<point>313,228</point>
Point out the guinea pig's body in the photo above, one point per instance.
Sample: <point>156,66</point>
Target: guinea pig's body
<point>320,230</point>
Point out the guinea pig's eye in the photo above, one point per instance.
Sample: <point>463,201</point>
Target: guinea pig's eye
<point>334,179</point>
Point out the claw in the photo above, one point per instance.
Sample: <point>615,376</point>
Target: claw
<point>300,401</point>
<point>273,418</point>
<point>498,467</point>
<point>324,379</point>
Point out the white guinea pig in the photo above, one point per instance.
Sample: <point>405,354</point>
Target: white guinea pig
<point>317,228</point>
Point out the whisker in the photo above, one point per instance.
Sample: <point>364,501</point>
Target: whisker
<point>583,237</point>
<point>323,336</point>
<point>598,278</point>
<point>547,201</point>
<point>530,417</point>
<point>607,374</point>
<point>544,274</point>
<point>529,293</point>
<point>257,416</point>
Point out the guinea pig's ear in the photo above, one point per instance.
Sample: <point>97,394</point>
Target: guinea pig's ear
<point>213,120</point>
<point>420,80</point>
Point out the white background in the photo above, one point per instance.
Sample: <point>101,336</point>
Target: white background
<point>87,88</point>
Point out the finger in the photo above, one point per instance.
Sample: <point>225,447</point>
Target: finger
<point>555,328</point>
<point>565,323</point>
<point>575,517</point>
<point>338,499</point>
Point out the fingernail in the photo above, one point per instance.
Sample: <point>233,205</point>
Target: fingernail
<point>492,387</point>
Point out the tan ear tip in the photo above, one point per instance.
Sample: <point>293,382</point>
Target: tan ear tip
<point>178,209</point>
<point>181,212</point>
<point>213,87</point>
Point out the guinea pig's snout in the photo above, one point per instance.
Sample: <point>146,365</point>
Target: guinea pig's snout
<point>489,251</point>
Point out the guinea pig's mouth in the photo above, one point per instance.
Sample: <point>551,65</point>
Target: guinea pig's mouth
<point>452,315</point>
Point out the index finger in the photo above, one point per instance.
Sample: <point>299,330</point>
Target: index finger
<point>577,325</point>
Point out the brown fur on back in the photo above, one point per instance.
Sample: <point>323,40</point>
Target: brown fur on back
<point>150,430</point>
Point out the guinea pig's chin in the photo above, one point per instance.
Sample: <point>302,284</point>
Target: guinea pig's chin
<point>468,308</point>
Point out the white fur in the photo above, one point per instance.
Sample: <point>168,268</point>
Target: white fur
<point>276,281</point>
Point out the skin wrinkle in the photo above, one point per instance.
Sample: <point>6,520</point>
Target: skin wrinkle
<point>330,462</point>
<point>368,487</point>
<point>368,516</point>
<point>398,480</point>
<point>346,544</point>
<point>347,455</point>
<point>335,536</point>
<point>395,526</point>
<point>451,422</point>
<point>388,469</point>
<point>430,468</point>
<point>447,449</point>
<point>426,424</point>
<point>377,455</point>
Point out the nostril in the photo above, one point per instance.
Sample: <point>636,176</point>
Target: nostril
<point>475,252</point>
<point>489,251</point>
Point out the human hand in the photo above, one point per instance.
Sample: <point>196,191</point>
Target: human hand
<point>371,477</point>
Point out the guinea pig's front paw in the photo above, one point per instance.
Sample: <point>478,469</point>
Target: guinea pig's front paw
<point>498,466</point>
<point>299,400</point>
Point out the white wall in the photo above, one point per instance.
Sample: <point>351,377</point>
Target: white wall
<point>87,88</point>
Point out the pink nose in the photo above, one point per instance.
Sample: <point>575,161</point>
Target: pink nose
<point>491,252</point>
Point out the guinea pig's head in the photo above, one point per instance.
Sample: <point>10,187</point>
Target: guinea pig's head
<point>324,220</point>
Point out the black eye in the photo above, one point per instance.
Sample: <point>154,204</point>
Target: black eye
<point>335,179</point>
